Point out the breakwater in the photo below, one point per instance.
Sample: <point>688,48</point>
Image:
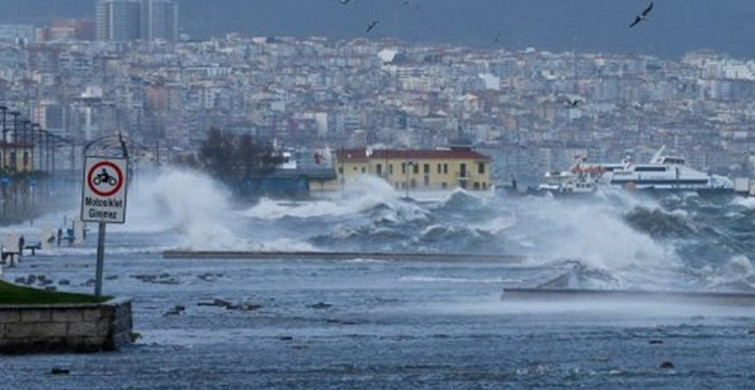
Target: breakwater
<point>315,255</point>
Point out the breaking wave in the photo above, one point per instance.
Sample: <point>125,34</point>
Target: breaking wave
<point>618,239</point>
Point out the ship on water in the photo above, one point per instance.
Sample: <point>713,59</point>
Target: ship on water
<point>663,173</point>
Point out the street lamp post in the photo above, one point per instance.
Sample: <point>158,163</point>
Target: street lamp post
<point>27,129</point>
<point>408,163</point>
<point>4,109</point>
<point>16,150</point>
<point>15,115</point>
<point>35,127</point>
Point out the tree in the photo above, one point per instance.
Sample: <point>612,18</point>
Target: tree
<point>215,154</point>
<point>231,157</point>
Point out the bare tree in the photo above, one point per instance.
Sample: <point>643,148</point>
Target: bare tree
<point>231,157</point>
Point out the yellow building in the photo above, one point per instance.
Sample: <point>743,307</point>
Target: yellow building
<point>435,169</point>
<point>16,157</point>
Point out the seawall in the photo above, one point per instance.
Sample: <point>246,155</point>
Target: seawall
<point>65,327</point>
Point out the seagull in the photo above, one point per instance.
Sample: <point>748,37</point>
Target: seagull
<point>642,16</point>
<point>372,25</point>
<point>411,3</point>
<point>572,103</point>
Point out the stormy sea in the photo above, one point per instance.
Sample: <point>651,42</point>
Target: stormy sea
<point>306,323</point>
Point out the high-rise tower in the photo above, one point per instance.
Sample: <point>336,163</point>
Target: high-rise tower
<point>118,20</point>
<point>124,20</point>
<point>159,20</point>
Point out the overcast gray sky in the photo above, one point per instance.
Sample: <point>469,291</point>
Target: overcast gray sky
<point>675,26</point>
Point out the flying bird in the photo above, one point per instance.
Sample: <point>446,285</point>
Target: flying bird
<point>572,103</point>
<point>411,3</point>
<point>643,16</point>
<point>372,25</point>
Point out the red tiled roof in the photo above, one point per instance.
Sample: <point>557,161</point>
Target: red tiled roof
<point>412,154</point>
<point>352,154</point>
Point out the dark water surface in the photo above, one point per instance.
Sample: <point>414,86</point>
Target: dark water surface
<point>400,324</point>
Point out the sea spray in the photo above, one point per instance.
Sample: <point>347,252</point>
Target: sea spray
<point>362,194</point>
<point>195,206</point>
<point>596,234</point>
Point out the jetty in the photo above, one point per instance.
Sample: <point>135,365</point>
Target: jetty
<point>593,295</point>
<point>317,255</point>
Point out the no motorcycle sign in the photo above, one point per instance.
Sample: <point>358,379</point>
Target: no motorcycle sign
<point>104,191</point>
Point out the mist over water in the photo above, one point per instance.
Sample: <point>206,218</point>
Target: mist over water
<point>619,240</point>
<point>382,323</point>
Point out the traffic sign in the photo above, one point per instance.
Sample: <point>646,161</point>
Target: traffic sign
<point>103,197</point>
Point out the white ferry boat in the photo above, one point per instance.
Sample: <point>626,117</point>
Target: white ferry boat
<point>662,173</point>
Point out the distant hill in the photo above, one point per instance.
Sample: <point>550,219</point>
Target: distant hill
<point>675,26</point>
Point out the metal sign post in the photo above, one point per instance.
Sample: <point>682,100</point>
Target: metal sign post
<point>100,259</point>
<point>103,200</point>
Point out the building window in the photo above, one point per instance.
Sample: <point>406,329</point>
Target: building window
<point>427,181</point>
<point>355,168</point>
<point>416,168</point>
<point>379,169</point>
<point>476,186</point>
<point>463,184</point>
<point>481,168</point>
<point>445,169</point>
<point>403,168</point>
<point>463,170</point>
<point>443,185</point>
<point>414,183</point>
<point>364,170</point>
<point>390,169</point>
<point>427,169</point>
<point>340,170</point>
<point>439,170</point>
<point>484,185</point>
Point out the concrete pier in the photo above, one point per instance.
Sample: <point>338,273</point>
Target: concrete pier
<point>313,255</point>
<point>568,294</point>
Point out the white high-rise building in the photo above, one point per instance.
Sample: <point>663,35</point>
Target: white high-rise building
<point>118,20</point>
<point>159,20</point>
<point>125,20</point>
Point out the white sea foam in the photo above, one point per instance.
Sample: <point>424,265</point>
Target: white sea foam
<point>440,279</point>
<point>498,224</point>
<point>596,235</point>
<point>737,274</point>
<point>748,202</point>
<point>362,194</point>
<point>189,203</point>
<point>287,245</point>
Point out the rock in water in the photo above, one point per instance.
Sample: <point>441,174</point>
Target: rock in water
<point>320,305</point>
